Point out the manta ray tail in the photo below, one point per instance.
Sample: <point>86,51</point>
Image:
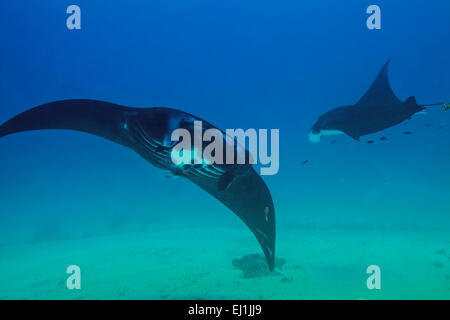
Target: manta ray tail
<point>445,106</point>
<point>96,117</point>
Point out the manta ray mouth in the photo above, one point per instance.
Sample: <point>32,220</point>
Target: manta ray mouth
<point>315,137</point>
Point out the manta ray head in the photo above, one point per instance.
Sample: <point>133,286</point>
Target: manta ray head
<point>322,128</point>
<point>158,124</point>
<point>315,132</point>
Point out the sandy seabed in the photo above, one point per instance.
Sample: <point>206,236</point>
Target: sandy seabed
<point>195,263</point>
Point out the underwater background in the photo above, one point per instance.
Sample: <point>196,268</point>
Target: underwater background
<point>72,198</point>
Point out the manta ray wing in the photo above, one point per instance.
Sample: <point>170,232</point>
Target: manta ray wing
<point>380,92</point>
<point>99,118</point>
<point>249,198</point>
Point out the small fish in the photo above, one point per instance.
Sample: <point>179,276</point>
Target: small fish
<point>441,126</point>
<point>305,162</point>
<point>370,142</point>
<point>407,132</point>
<point>333,142</point>
<point>428,125</point>
<point>383,138</point>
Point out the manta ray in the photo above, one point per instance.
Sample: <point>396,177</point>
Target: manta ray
<point>148,131</point>
<point>377,110</point>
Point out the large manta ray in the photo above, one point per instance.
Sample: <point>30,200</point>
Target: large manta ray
<point>148,131</point>
<point>377,110</point>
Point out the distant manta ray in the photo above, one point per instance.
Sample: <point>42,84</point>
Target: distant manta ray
<point>148,131</point>
<point>377,110</point>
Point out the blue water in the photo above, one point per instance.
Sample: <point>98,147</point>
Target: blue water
<point>252,64</point>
